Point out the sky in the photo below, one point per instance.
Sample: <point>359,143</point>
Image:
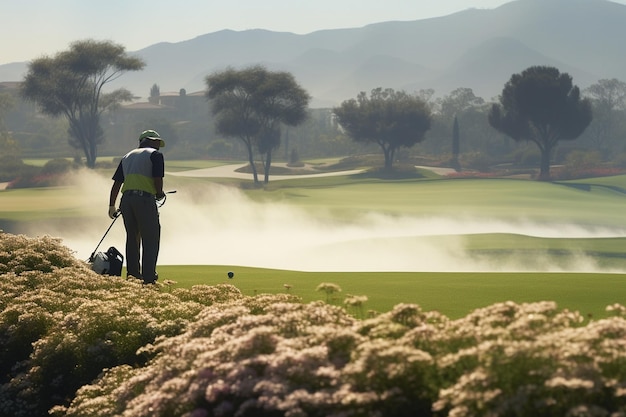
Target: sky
<point>34,28</point>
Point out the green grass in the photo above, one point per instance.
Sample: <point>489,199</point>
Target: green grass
<point>176,165</point>
<point>29,204</point>
<point>492,198</point>
<point>346,196</point>
<point>453,294</point>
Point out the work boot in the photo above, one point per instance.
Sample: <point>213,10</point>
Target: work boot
<point>151,281</point>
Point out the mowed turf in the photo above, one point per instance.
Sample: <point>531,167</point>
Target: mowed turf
<point>600,203</point>
<point>452,294</point>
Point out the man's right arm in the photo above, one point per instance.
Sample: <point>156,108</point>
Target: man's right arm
<point>115,189</point>
<point>118,180</point>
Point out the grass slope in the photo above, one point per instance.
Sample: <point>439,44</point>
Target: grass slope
<point>494,198</point>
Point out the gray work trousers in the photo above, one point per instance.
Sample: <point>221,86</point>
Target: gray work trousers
<point>141,220</point>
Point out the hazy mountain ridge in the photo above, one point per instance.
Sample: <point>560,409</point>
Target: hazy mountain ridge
<point>478,49</point>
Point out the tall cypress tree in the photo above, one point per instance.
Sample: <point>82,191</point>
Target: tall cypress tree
<point>456,144</point>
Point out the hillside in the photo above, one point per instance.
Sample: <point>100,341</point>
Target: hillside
<point>479,49</point>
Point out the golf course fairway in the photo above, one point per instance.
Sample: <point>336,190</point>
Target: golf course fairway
<point>570,236</point>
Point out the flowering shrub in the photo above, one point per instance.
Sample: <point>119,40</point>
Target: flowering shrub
<point>39,180</point>
<point>19,254</point>
<point>572,371</point>
<point>61,324</point>
<point>329,289</point>
<point>591,172</point>
<point>556,173</point>
<point>54,173</point>
<point>75,343</point>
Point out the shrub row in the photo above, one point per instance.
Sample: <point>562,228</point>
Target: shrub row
<point>79,344</point>
<point>20,175</point>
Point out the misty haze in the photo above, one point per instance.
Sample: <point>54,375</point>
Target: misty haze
<point>216,225</point>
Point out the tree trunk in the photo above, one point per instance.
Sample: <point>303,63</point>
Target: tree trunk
<point>85,152</point>
<point>388,152</point>
<point>251,161</point>
<point>544,169</point>
<point>91,155</point>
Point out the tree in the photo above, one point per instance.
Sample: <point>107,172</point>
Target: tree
<point>155,94</point>
<point>456,144</point>
<point>8,146</point>
<point>389,118</point>
<point>541,105</point>
<point>609,93</point>
<point>479,138</point>
<point>458,101</point>
<point>252,104</point>
<point>608,98</point>
<point>71,83</point>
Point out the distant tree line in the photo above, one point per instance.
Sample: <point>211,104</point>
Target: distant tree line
<point>61,109</point>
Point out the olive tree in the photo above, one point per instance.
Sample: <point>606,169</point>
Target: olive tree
<point>252,104</point>
<point>389,118</point>
<point>71,84</point>
<point>543,106</point>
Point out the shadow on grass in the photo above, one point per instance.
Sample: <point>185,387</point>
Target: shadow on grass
<point>396,173</point>
<point>588,187</point>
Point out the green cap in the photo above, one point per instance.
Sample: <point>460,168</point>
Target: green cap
<point>151,135</point>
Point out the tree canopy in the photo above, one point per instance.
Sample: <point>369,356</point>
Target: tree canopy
<point>8,146</point>
<point>389,118</point>
<point>543,106</point>
<point>252,103</point>
<point>608,99</point>
<point>70,84</point>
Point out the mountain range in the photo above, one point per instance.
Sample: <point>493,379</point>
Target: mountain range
<point>475,48</point>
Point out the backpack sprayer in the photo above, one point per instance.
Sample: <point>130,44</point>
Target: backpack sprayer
<point>110,262</point>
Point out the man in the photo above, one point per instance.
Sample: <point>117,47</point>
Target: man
<point>140,176</point>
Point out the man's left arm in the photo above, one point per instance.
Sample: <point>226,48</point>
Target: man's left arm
<point>158,172</point>
<point>158,185</point>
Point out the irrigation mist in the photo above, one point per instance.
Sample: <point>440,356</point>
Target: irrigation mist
<point>216,225</point>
